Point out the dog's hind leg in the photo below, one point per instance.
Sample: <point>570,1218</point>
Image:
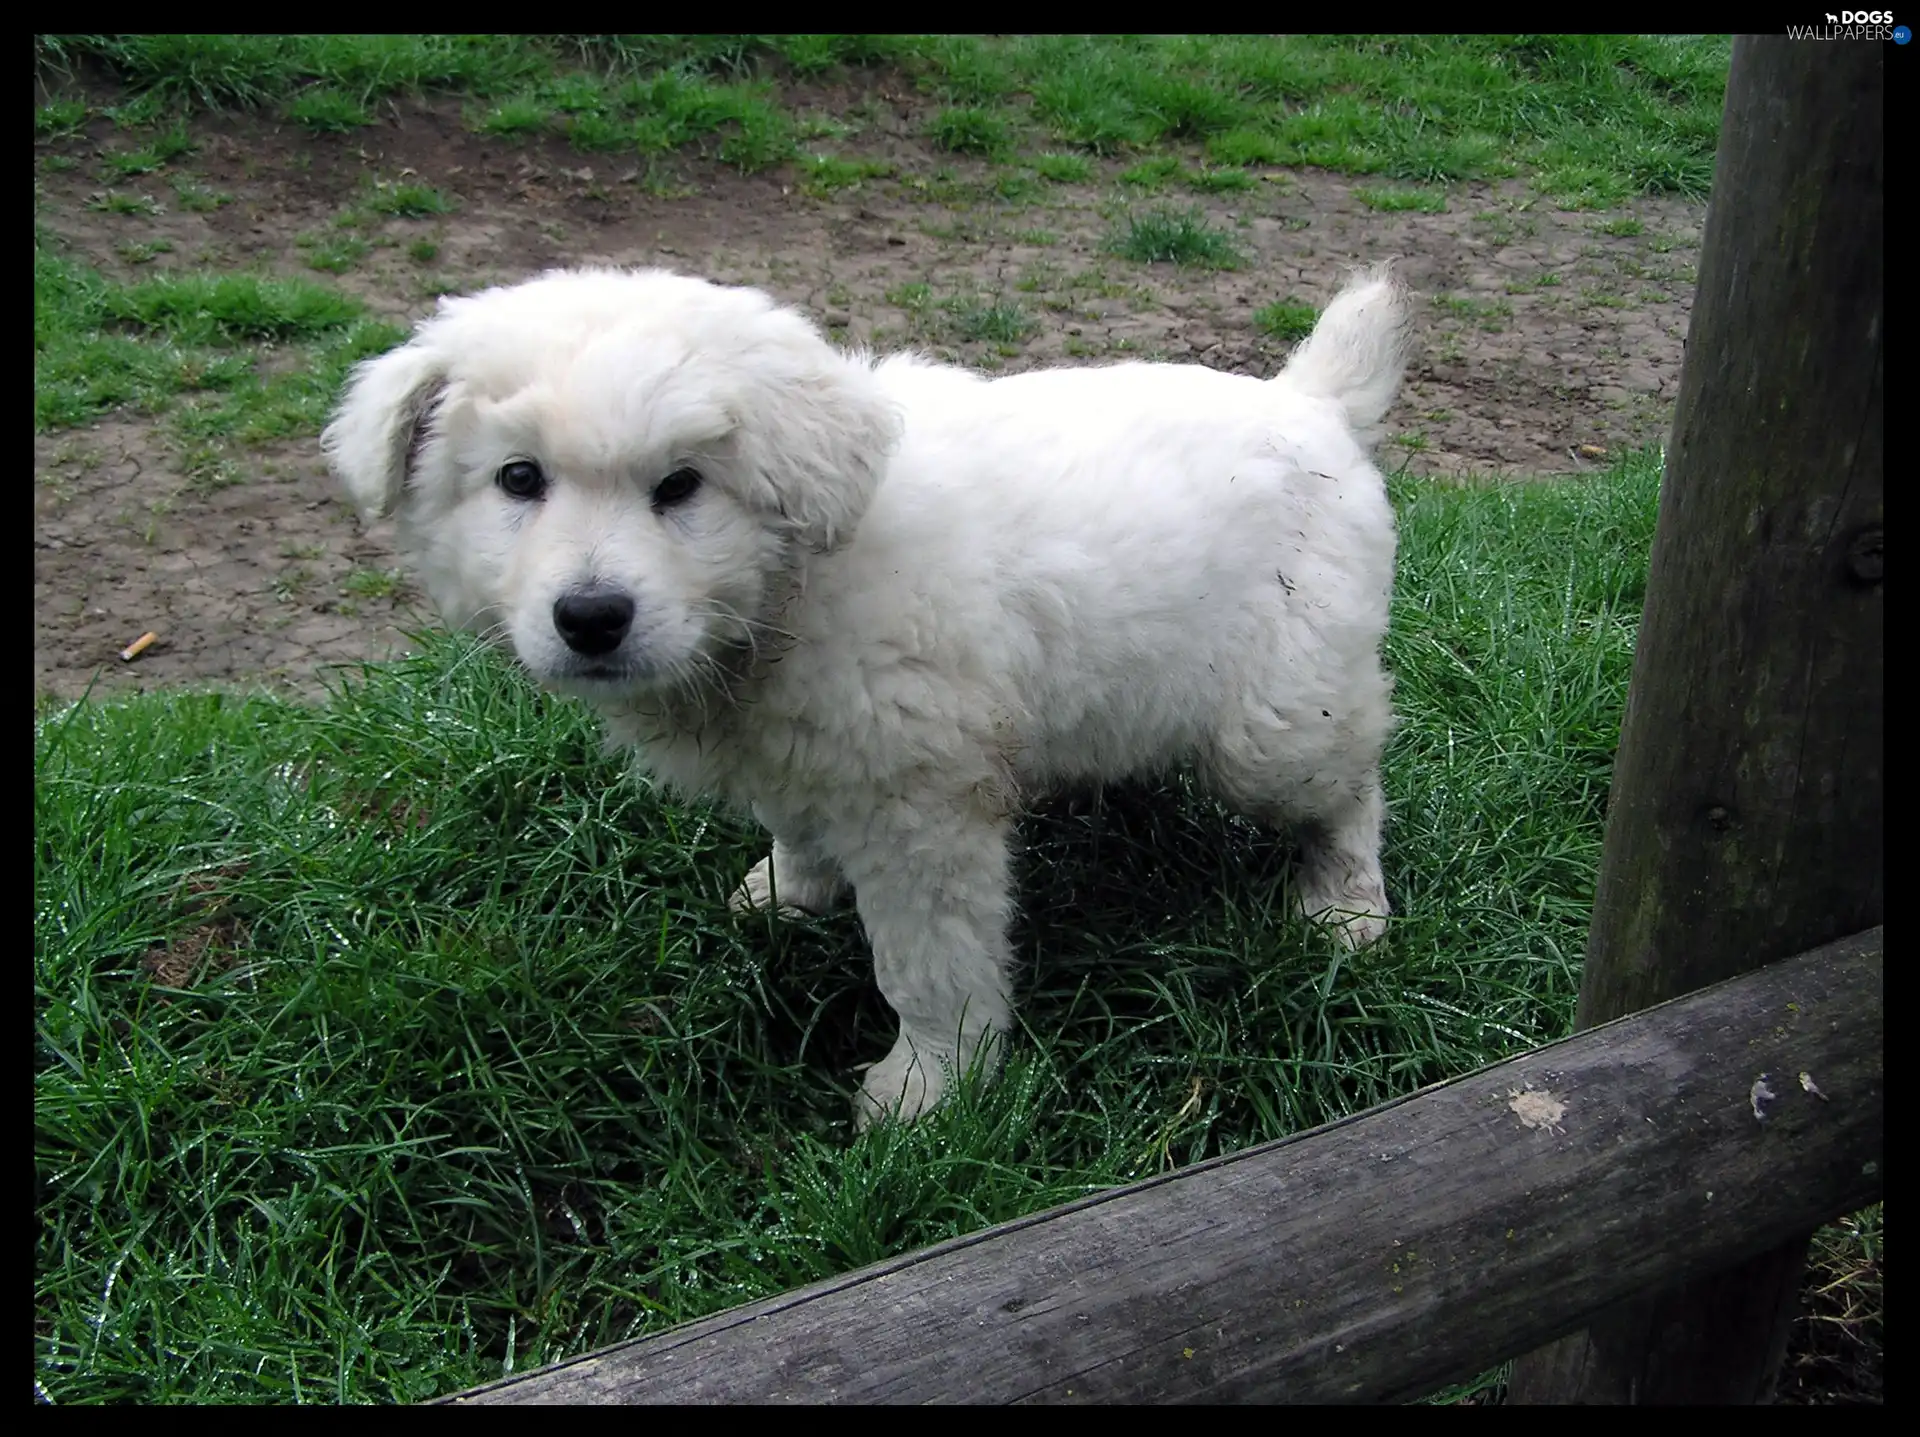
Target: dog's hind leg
<point>1338,880</point>
<point>1324,789</point>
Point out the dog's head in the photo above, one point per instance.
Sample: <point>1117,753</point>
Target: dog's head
<point>612,468</point>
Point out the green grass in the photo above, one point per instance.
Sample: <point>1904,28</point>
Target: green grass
<point>187,341</point>
<point>1163,170</point>
<point>739,122</point>
<point>388,1045</point>
<point>210,309</point>
<point>59,118</point>
<point>405,199</point>
<point>113,202</point>
<point>829,174</point>
<point>1391,200</point>
<point>373,583</point>
<point>522,115</point>
<point>144,251</point>
<point>154,155</point>
<point>1016,187</point>
<point>810,55</point>
<point>1247,147</point>
<point>1063,169</point>
<point>1489,314</point>
<point>965,318</point>
<point>197,198</point>
<point>141,111</point>
<point>1218,181</point>
<point>329,111</point>
<point>742,122</point>
<point>1286,319</point>
<point>1174,236</point>
<point>334,254</point>
<point>995,321</point>
<point>1590,119</point>
<point>913,297</point>
<point>218,71</point>
<point>641,93</point>
<point>592,131</point>
<point>969,132</point>
<point>1152,174</point>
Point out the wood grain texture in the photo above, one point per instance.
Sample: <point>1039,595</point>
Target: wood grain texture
<point>1746,820</point>
<point>1747,813</point>
<point>1372,1259</point>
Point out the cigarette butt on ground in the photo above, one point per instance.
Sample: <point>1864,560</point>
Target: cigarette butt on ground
<point>138,647</point>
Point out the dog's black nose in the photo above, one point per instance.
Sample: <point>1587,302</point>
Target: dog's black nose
<point>593,621</point>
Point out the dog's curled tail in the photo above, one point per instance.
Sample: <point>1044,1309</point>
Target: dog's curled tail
<point>1357,350</point>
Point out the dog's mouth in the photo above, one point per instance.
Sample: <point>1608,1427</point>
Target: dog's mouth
<point>600,674</point>
<point>605,676</point>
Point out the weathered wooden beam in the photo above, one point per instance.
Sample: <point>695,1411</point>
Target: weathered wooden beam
<point>1371,1259</point>
<point>1747,813</point>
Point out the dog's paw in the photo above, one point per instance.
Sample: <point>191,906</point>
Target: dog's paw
<point>1355,910</point>
<point>1356,930</point>
<point>798,898</point>
<point>913,1079</point>
<point>901,1087</point>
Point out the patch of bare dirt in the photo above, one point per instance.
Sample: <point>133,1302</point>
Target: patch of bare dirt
<point>1547,341</point>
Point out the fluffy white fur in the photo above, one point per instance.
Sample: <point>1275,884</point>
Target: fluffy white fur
<point>901,597</point>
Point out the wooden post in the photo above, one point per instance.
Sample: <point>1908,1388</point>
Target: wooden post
<point>1746,816</point>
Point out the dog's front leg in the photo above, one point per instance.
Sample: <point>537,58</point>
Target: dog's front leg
<point>796,875</point>
<point>935,902</point>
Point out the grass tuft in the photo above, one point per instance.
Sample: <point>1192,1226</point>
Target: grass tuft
<point>829,174</point>
<point>969,132</point>
<point>1181,237</point>
<point>1393,200</point>
<point>1286,319</point>
<point>328,111</point>
<point>1063,169</point>
<point>405,199</point>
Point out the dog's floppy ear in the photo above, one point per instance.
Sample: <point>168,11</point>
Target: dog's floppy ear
<point>375,434</point>
<point>816,441</point>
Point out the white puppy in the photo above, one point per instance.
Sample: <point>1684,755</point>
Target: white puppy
<point>883,603</point>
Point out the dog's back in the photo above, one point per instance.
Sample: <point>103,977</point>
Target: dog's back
<point>1105,546</point>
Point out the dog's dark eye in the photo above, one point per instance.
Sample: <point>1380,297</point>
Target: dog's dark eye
<point>522,479</point>
<point>676,487</point>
